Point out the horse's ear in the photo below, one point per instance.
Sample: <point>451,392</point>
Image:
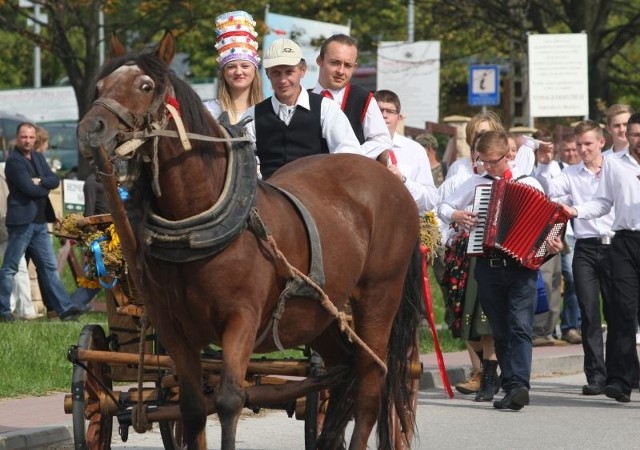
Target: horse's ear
<point>166,48</point>
<point>117,49</point>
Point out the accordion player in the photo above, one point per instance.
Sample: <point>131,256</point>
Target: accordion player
<point>516,220</point>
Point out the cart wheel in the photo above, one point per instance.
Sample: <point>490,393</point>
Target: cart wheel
<point>404,440</point>
<point>172,436</point>
<point>92,425</point>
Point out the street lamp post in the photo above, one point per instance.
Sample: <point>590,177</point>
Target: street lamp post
<point>37,19</point>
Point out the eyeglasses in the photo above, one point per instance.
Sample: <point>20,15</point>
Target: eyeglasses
<point>491,163</point>
<point>389,111</point>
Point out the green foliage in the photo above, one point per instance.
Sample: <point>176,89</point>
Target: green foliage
<point>33,355</point>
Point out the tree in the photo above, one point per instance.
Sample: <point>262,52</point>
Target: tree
<point>612,27</point>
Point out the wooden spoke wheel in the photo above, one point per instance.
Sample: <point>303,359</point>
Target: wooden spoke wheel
<point>403,439</point>
<point>92,423</point>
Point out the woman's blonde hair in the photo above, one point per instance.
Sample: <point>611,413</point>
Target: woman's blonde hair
<point>490,117</point>
<point>42,138</point>
<point>224,94</point>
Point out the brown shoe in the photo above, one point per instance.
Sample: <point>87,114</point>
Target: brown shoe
<point>542,341</point>
<point>572,337</point>
<point>472,385</point>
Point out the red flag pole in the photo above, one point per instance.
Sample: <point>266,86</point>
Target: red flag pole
<point>428,303</point>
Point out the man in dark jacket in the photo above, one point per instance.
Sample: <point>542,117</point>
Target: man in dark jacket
<point>29,210</point>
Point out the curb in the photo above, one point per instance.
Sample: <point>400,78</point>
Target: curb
<point>37,438</point>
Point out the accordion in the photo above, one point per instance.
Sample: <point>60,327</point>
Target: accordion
<point>516,219</point>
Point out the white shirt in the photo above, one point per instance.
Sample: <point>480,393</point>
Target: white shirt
<point>336,128</point>
<point>448,187</point>
<point>463,197</point>
<point>214,107</point>
<point>413,163</point>
<point>460,165</point>
<point>609,151</point>
<point>376,133</point>
<point>577,184</point>
<point>619,187</point>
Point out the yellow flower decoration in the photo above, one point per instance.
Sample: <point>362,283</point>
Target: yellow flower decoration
<point>430,235</point>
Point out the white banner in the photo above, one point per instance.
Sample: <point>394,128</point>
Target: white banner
<point>558,75</point>
<point>412,70</point>
<point>308,34</point>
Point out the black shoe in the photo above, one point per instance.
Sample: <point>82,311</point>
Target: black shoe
<point>514,400</point>
<point>592,389</point>
<point>72,314</point>
<point>489,381</point>
<point>615,392</point>
<point>7,317</point>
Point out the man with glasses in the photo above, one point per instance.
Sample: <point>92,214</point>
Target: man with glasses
<point>337,62</point>
<point>506,289</point>
<point>412,164</point>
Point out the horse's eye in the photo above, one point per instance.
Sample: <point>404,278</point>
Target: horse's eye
<point>147,87</point>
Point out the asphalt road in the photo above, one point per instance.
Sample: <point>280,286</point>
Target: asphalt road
<point>559,417</point>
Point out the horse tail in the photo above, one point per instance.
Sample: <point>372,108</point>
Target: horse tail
<point>397,391</point>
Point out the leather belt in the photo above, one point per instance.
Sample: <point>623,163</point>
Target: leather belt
<point>500,262</point>
<point>605,240</point>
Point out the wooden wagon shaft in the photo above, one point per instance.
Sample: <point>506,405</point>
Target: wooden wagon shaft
<point>120,219</point>
<point>257,396</point>
<point>271,367</point>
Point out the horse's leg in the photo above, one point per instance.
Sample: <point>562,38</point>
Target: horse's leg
<point>372,310</point>
<point>193,407</point>
<point>237,344</point>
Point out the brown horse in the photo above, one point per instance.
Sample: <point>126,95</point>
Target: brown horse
<point>367,227</point>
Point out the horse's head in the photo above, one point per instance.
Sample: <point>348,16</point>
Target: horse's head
<point>130,95</point>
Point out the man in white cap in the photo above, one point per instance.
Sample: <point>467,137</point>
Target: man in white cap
<point>294,123</point>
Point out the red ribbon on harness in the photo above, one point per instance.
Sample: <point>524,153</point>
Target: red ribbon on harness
<point>428,306</point>
<point>171,100</point>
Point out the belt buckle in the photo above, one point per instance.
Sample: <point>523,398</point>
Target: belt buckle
<point>605,240</point>
<point>496,262</point>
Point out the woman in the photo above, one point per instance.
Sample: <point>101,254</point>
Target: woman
<point>239,84</point>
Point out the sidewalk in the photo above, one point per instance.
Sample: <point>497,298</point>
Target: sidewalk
<point>40,422</point>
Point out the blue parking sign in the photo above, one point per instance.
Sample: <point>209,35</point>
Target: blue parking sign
<point>484,85</point>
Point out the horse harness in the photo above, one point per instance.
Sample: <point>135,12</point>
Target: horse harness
<point>208,233</point>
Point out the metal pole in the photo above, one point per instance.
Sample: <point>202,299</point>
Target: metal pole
<point>410,21</point>
<point>37,76</point>
<point>101,37</point>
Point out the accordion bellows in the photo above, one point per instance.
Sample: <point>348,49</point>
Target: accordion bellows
<point>519,220</point>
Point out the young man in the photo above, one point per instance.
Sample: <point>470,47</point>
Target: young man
<point>506,289</point>
<point>617,118</point>
<point>30,179</point>
<point>591,267</point>
<point>337,62</point>
<point>293,123</point>
<point>412,162</point>
<point>619,188</point>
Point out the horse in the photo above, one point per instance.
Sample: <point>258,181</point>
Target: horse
<point>366,227</point>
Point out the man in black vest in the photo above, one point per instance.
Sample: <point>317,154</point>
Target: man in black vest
<point>294,123</point>
<point>337,62</point>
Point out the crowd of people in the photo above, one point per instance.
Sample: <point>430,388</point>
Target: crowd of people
<point>493,300</point>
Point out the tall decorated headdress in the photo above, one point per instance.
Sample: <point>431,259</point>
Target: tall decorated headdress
<point>236,38</point>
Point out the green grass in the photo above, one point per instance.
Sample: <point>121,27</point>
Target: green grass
<point>33,354</point>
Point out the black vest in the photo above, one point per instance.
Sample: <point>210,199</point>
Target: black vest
<point>355,108</point>
<point>278,144</point>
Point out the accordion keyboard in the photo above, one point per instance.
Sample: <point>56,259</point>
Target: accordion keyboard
<point>481,208</point>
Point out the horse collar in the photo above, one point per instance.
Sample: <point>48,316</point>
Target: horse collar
<point>211,231</point>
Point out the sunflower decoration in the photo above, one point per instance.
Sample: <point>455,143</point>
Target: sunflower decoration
<point>104,261</point>
<point>430,235</point>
